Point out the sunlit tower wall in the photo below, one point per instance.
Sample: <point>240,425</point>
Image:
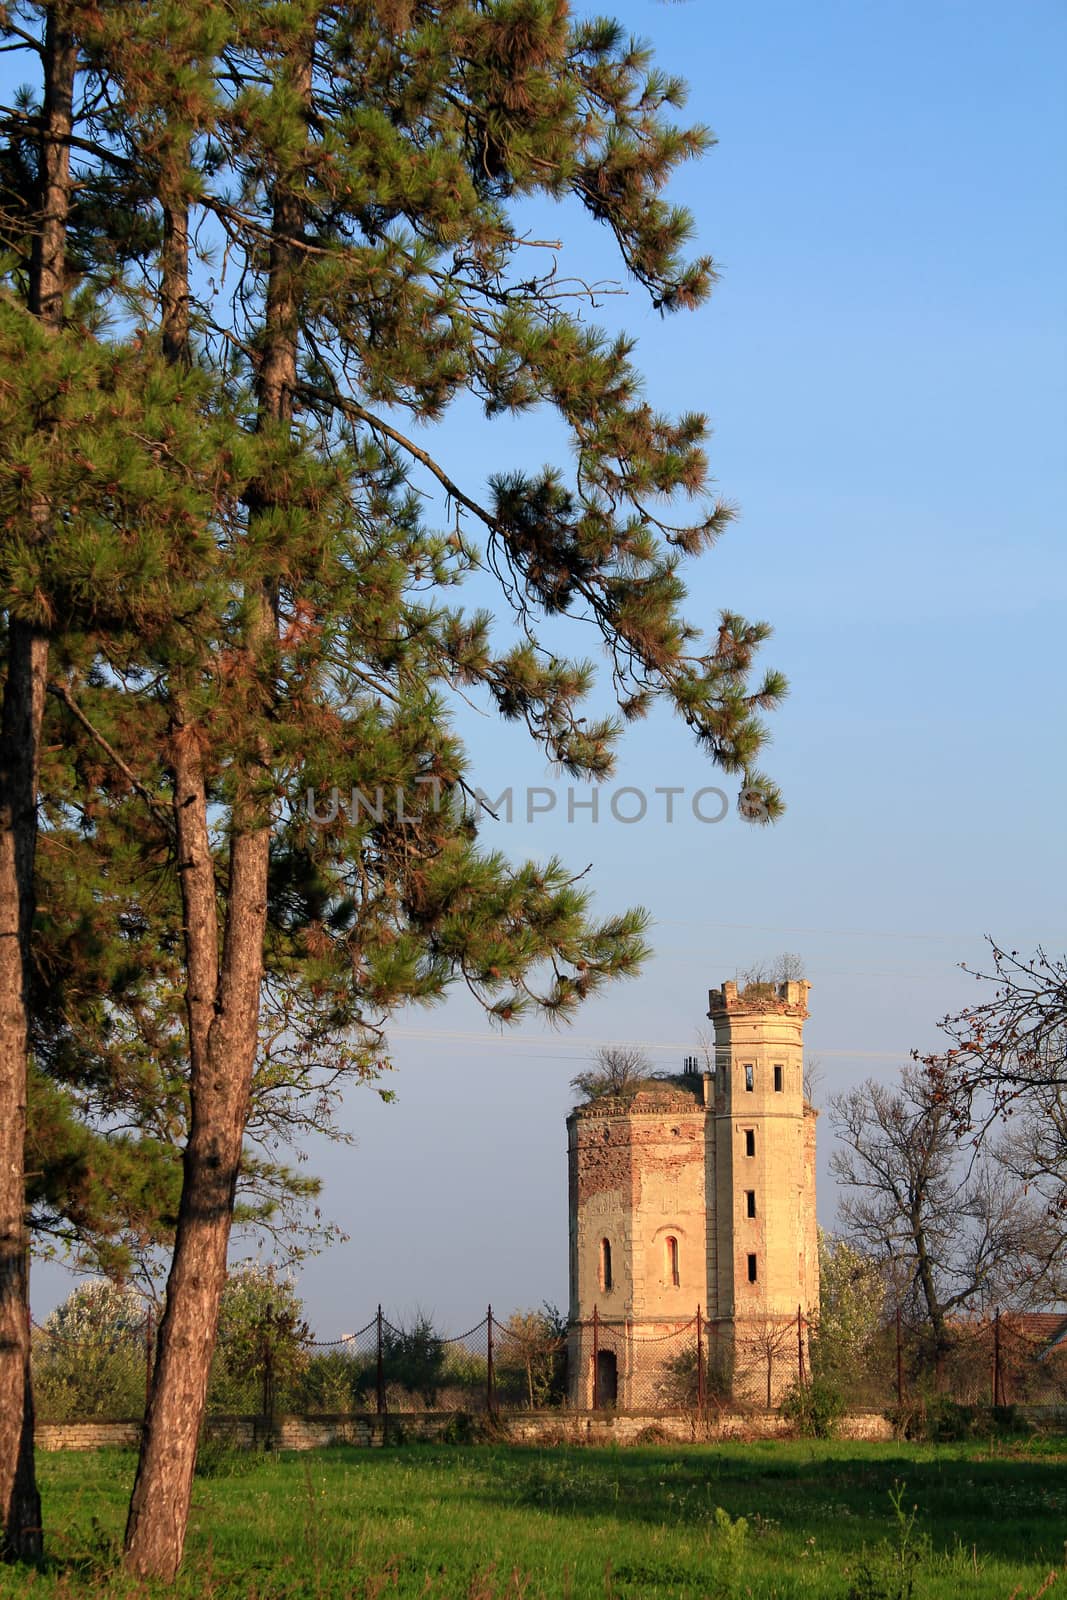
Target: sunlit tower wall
<point>762,1244</point>
<point>638,1232</point>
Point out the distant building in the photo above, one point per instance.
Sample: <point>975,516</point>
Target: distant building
<point>698,1192</point>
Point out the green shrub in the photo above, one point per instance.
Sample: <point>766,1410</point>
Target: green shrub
<point>221,1458</point>
<point>459,1429</point>
<point>336,1383</point>
<point>655,1434</point>
<point>941,1420</point>
<point>89,1358</point>
<point>814,1408</point>
<point>261,1350</point>
<point>531,1359</point>
<point>678,1387</point>
<point>731,1538</point>
<point>414,1359</point>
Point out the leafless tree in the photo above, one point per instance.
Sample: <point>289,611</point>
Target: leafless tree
<point>1032,1149</point>
<point>764,1341</point>
<point>813,1078</point>
<point>616,1070</point>
<point>953,1228</point>
<point>1004,1075</point>
<point>786,968</point>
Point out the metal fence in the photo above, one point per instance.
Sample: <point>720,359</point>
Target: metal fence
<point>384,1367</point>
<point>527,1362</point>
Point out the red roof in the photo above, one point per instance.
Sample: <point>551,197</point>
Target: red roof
<point>1045,1327</point>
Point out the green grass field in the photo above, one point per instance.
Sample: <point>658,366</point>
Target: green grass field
<point>769,1519</point>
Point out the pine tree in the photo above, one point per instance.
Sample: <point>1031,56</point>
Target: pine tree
<point>104,467</point>
<point>363,168</point>
<point>20,726</point>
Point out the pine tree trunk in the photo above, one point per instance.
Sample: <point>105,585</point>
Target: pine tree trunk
<point>222,1017</point>
<point>20,741</point>
<point>220,1081</point>
<point>222,1004</point>
<point>221,1053</point>
<point>19,746</point>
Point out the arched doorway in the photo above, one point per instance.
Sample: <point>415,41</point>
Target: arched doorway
<point>607,1378</point>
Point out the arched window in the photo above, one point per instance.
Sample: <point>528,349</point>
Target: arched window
<point>672,1261</point>
<point>605,1265</point>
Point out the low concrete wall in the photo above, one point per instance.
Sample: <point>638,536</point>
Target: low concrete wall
<point>369,1431</point>
<point>629,1428</point>
<point>86,1435</point>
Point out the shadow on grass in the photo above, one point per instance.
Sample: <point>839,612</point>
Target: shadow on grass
<point>1012,1509</point>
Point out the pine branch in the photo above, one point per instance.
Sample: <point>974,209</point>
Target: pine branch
<point>161,811</point>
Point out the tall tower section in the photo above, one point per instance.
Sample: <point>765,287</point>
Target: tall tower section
<point>760,1147</point>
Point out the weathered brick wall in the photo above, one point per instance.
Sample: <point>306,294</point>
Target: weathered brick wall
<point>86,1435</point>
<point>288,1433</point>
<point>315,1433</point>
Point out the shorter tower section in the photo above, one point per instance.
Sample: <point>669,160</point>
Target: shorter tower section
<point>638,1234</point>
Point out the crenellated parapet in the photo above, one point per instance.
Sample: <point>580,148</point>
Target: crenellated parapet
<point>789,999</point>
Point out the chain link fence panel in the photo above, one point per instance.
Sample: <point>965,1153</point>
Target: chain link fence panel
<point>530,1362</point>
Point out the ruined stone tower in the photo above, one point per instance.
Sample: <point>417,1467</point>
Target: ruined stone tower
<point>698,1191</point>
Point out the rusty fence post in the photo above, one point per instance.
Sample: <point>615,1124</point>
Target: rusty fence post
<point>900,1364</point>
<point>596,1358</point>
<point>490,1376</point>
<point>800,1345</point>
<point>998,1385</point>
<point>381,1366</point>
<point>702,1386</point>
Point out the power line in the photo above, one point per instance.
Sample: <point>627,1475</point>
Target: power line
<point>845,933</point>
<point>495,1041</point>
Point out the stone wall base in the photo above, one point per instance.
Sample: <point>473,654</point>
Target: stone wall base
<point>314,1433</point>
<point>524,1427</point>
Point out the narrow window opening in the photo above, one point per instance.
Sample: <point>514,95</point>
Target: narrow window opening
<point>750,1202</point>
<point>778,1080</point>
<point>750,1141</point>
<point>750,1076</point>
<point>672,1262</point>
<point>605,1265</point>
<point>751,1269</point>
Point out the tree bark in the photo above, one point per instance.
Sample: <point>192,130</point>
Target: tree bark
<point>220,1082</point>
<point>219,1070</point>
<point>20,746</point>
<point>19,753</point>
<point>222,1014</point>
<point>174,278</point>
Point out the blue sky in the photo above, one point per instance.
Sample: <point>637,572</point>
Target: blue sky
<point>883,363</point>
